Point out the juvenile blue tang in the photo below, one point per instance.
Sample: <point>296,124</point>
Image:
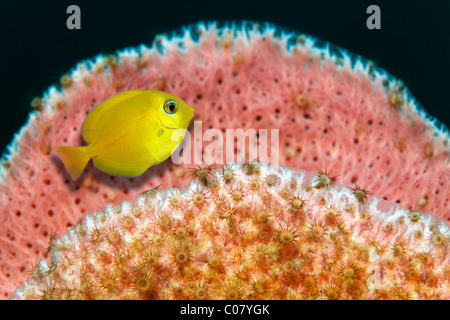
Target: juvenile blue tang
<point>129,133</point>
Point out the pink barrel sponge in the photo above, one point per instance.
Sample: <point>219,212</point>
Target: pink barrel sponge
<point>333,110</point>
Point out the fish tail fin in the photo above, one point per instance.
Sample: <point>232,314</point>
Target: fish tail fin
<point>75,159</point>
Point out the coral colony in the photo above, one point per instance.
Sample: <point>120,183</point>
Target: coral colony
<point>244,230</point>
<point>248,231</point>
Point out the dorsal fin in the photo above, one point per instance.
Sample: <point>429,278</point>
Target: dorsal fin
<point>110,116</point>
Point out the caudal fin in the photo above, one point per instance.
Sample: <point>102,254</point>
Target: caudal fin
<point>75,159</point>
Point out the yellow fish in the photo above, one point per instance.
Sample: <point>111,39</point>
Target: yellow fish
<point>129,133</point>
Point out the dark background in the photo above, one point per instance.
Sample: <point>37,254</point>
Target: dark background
<point>37,48</point>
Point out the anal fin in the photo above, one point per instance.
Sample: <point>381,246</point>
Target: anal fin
<point>119,169</point>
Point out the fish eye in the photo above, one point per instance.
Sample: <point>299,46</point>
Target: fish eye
<point>170,107</point>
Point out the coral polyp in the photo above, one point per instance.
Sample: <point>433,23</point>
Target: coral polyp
<point>308,246</point>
